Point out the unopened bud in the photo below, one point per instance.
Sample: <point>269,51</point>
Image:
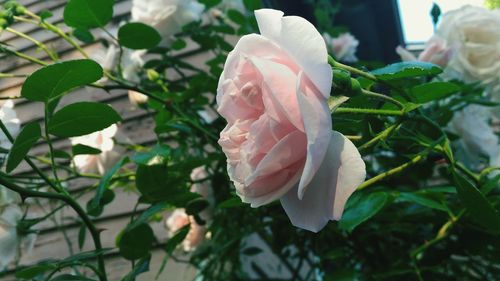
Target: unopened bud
<point>10,5</point>
<point>356,88</point>
<point>3,23</point>
<point>136,98</point>
<point>152,75</point>
<point>20,10</point>
<point>341,79</point>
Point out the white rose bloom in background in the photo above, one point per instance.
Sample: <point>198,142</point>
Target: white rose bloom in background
<point>179,218</point>
<point>9,118</point>
<point>8,197</point>
<point>474,34</point>
<point>477,135</point>
<point>167,16</point>
<point>435,52</point>
<point>102,140</point>
<point>343,47</point>
<point>10,240</point>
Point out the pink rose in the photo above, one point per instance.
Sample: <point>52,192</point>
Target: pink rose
<point>279,141</point>
<point>435,52</point>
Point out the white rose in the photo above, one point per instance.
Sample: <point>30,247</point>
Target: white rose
<point>102,140</point>
<point>477,135</point>
<point>167,16</point>
<point>474,35</point>
<point>10,240</point>
<point>343,47</point>
<point>9,118</point>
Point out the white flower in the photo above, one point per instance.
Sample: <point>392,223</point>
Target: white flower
<point>9,118</point>
<point>103,141</point>
<point>132,62</point>
<point>167,16</point>
<point>435,52</point>
<point>137,98</point>
<point>343,47</point>
<point>478,137</point>
<point>10,239</point>
<point>474,35</point>
<point>8,197</point>
<point>179,218</point>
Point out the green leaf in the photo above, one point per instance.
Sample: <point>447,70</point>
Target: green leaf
<point>140,267</point>
<point>81,149</point>
<point>490,185</point>
<point>45,14</point>
<point>69,277</point>
<point>138,36</point>
<point>137,242</point>
<point>253,5</point>
<point>33,271</point>
<point>83,35</point>
<point>96,205</point>
<point>433,91</point>
<point>231,203</point>
<point>479,207</point>
<point>195,206</point>
<point>431,200</point>
<point>236,17</point>
<point>362,211</point>
<point>157,154</point>
<point>88,13</point>
<point>177,239</point>
<point>82,118</point>
<point>407,70</point>
<point>55,80</point>
<point>178,44</point>
<point>210,3</point>
<point>28,136</point>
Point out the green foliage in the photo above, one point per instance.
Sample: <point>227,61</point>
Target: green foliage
<point>53,81</point>
<point>28,136</point>
<point>88,13</point>
<point>479,206</point>
<point>135,243</point>
<point>433,91</point>
<point>82,118</point>
<point>366,207</point>
<point>79,149</point>
<point>411,69</point>
<point>138,36</point>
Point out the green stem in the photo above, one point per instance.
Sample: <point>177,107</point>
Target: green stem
<point>36,42</point>
<point>381,136</point>
<point>392,172</point>
<point>345,110</point>
<point>58,31</point>
<point>351,69</point>
<point>28,160</point>
<point>383,97</point>
<point>11,75</point>
<point>25,193</point>
<point>23,56</point>
<point>51,148</point>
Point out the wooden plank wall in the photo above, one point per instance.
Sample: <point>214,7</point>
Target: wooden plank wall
<point>137,125</point>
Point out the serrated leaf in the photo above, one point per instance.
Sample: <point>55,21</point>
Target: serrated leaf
<point>138,36</point>
<point>402,70</point>
<point>88,13</point>
<point>82,118</point>
<point>28,136</point>
<point>53,81</point>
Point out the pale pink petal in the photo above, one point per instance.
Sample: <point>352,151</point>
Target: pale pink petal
<point>340,174</point>
<point>302,41</point>
<point>279,91</point>
<point>318,124</point>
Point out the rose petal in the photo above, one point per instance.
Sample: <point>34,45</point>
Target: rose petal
<point>302,41</point>
<point>341,173</point>
<point>318,123</point>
